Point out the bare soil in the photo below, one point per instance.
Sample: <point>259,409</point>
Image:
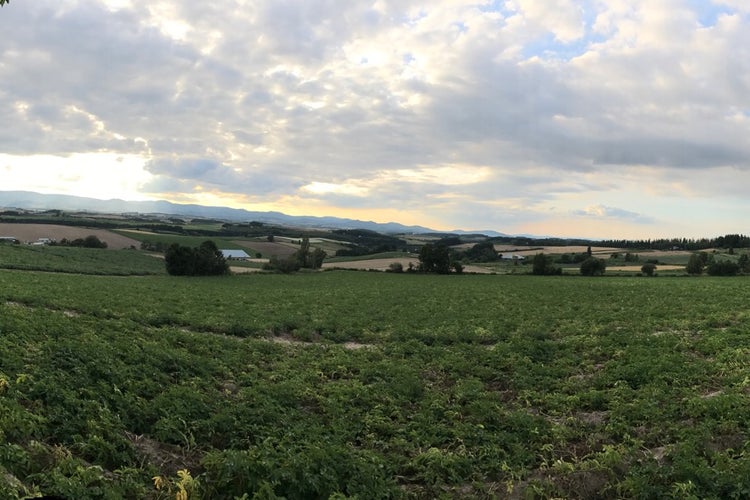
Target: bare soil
<point>29,233</point>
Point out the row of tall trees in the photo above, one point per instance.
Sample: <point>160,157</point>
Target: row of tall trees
<point>726,241</point>
<point>702,261</point>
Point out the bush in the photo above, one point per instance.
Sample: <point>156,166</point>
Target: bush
<point>90,241</point>
<point>542,265</point>
<point>593,267</point>
<point>648,268</point>
<point>286,265</point>
<point>396,267</point>
<point>723,268</point>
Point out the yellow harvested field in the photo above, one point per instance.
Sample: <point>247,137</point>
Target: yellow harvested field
<point>243,270</point>
<point>558,250</point>
<point>637,269</point>
<point>29,233</point>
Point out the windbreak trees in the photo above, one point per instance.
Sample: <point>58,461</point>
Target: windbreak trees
<point>434,259</point>
<point>206,260</point>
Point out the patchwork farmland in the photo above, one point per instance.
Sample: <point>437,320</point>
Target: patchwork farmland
<point>120,381</point>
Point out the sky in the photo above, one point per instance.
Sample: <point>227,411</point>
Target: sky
<point>573,118</point>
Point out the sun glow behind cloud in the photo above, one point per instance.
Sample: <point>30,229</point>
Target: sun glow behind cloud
<point>95,175</point>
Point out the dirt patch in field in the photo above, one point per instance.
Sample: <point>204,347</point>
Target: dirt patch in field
<point>29,233</point>
<point>287,339</point>
<point>167,458</point>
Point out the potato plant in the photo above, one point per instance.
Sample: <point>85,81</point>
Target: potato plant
<point>373,385</point>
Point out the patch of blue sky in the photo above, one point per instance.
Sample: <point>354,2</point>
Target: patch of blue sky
<point>460,26</point>
<point>496,6</point>
<point>414,19</point>
<point>708,12</point>
<point>549,48</point>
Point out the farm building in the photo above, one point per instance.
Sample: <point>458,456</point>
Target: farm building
<point>234,254</point>
<point>8,239</point>
<point>511,256</point>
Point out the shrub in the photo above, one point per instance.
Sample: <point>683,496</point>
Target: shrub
<point>396,267</point>
<point>593,267</point>
<point>648,268</point>
<point>542,265</point>
<point>723,268</point>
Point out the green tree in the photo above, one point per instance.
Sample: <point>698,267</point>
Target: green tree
<point>482,252</point>
<point>744,263</point>
<point>542,265</point>
<point>209,260</point>
<point>316,258</point>
<point>3,2</point>
<point>695,264</point>
<point>206,260</point>
<point>303,254</point>
<point>593,267</point>
<point>648,268</point>
<point>310,259</point>
<point>723,268</point>
<point>434,259</point>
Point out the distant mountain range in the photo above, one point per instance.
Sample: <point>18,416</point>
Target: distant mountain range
<point>28,200</point>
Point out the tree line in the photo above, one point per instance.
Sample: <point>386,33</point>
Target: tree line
<point>726,241</point>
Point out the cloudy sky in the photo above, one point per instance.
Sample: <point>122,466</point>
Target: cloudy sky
<point>595,118</point>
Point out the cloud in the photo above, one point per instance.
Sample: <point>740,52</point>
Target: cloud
<point>508,108</point>
<point>604,212</point>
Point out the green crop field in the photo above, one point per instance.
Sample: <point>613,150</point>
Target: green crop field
<point>373,385</point>
<point>79,260</point>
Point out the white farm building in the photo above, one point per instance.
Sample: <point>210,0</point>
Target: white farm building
<point>235,254</point>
